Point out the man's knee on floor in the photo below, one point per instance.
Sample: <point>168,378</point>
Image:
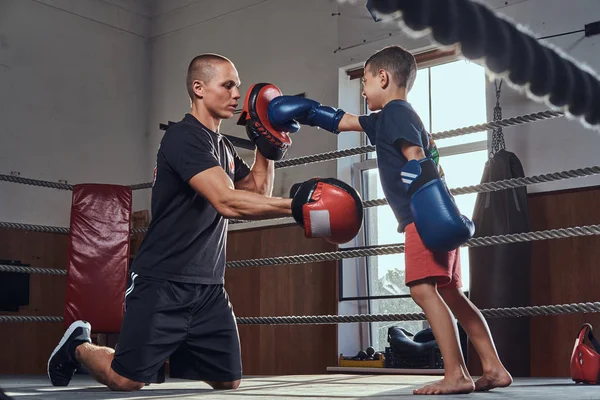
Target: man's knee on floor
<point>225,385</point>
<point>119,383</point>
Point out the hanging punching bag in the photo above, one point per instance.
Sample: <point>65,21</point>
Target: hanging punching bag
<point>500,274</point>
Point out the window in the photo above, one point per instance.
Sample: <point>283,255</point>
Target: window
<point>446,96</point>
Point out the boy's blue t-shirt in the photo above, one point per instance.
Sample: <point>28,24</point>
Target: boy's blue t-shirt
<point>397,121</point>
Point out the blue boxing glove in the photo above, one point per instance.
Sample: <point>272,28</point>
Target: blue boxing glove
<point>437,218</point>
<point>283,109</point>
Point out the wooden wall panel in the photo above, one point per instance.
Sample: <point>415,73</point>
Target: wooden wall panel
<point>302,289</point>
<point>27,346</point>
<point>563,271</point>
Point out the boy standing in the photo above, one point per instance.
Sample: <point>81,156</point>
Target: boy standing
<point>413,184</point>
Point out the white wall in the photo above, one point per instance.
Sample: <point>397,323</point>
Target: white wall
<point>73,101</point>
<point>269,42</point>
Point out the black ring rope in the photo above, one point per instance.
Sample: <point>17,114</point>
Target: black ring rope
<point>543,71</point>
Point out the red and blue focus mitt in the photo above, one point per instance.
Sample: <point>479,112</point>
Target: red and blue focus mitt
<point>271,142</point>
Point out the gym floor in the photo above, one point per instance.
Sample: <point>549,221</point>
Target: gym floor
<point>331,386</point>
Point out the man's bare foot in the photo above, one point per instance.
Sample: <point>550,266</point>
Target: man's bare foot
<point>492,379</point>
<point>448,386</point>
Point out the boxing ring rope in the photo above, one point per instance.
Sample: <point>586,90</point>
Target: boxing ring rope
<point>35,182</point>
<point>560,233</point>
<point>31,270</point>
<point>49,229</point>
<point>35,228</point>
<point>332,155</point>
<point>530,311</point>
<point>545,73</point>
<point>509,183</point>
<point>513,121</point>
<point>480,188</point>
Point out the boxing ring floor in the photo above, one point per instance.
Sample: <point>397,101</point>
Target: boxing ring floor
<point>330,386</point>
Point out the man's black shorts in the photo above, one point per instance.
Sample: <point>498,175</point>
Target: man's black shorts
<point>191,324</point>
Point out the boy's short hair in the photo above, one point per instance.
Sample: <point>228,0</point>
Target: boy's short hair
<point>398,62</point>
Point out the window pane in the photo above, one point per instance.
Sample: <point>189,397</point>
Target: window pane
<point>463,170</point>
<point>458,100</point>
<point>419,96</point>
<point>382,227</point>
<point>392,306</point>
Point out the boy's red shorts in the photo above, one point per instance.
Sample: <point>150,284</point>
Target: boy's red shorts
<point>422,263</point>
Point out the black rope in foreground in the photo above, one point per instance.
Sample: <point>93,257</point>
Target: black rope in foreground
<point>543,71</point>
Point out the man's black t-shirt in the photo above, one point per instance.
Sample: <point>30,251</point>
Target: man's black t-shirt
<point>186,238</point>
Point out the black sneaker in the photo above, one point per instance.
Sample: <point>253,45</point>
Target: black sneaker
<point>62,363</point>
<point>4,396</point>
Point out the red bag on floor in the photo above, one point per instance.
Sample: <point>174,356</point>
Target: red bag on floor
<point>585,360</point>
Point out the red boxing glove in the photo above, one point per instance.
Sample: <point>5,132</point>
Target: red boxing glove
<point>327,208</point>
<point>271,143</point>
<point>585,361</point>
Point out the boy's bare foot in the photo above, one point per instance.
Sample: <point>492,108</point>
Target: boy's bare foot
<point>498,377</point>
<point>448,386</point>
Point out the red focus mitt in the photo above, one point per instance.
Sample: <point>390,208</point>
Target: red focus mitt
<point>585,360</point>
<point>327,208</point>
<point>271,143</point>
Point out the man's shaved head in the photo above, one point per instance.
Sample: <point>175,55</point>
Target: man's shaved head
<point>202,68</point>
